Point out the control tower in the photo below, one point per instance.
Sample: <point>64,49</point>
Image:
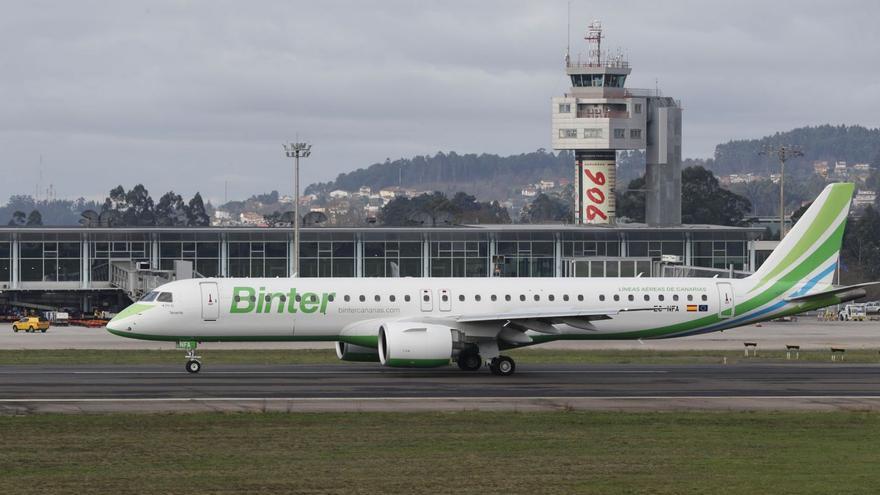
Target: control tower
<point>599,116</point>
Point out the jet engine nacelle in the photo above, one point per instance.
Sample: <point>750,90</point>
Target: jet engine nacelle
<point>351,352</point>
<point>414,345</point>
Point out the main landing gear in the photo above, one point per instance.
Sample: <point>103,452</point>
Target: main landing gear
<point>472,361</point>
<point>502,366</point>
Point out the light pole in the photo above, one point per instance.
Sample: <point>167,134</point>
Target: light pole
<point>782,153</point>
<point>296,151</point>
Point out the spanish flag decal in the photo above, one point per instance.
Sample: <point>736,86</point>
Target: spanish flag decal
<point>692,307</point>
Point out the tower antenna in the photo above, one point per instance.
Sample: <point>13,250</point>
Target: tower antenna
<point>594,37</point>
<point>568,36</point>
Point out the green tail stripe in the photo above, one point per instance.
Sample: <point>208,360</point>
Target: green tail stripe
<point>838,197</point>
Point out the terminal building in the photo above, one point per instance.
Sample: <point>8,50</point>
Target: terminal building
<point>88,268</point>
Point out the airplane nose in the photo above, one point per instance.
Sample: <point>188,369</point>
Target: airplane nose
<point>124,320</point>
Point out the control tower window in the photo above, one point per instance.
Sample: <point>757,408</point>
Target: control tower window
<point>587,80</point>
<point>565,108</point>
<point>614,80</point>
<point>592,133</point>
<point>619,133</point>
<point>637,108</point>
<point>635,134</point>
<point>568,133</point>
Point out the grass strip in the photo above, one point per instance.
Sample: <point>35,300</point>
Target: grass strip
<point>465,452</point>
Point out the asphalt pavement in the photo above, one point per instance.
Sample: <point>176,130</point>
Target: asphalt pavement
<point>350,387</point>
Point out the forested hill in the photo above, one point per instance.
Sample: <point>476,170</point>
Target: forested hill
<point>482,175</point>
<point>853,144</point>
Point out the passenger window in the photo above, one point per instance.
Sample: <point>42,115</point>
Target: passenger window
<point>580,297</point>
<point>675,297</point>
<point>705,297</point>
<point>331,297</point>
<point>602,297</point>
<point>660,297</point>
<point>347,298</point>
<point>647,297</point>
<point>362,298</point>
<point>298,298</point>
<point>522,297</point>
<point>237,298</point>
<point>253,298</point>
<point>507,297</point>
<point>427,298</point>
<point>551,297</point>
<point>460,297</point>
<point>494,297</point>
<point>391,298</point>
<point>631,297</point>
<point>444,297</point>
<point>406,298</point>
<point>616,297</point>
<point>690,297</point>
<point>565,297</point>
<point>537,297</point>
<point>377,298</point>
<point>477,298</point>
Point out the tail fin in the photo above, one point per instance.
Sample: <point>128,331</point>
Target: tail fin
<point>810,251</point>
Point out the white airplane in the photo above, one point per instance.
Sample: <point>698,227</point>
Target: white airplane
<point>428,322</point>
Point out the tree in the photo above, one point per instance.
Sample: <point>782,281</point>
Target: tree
<point>631,204</point>
<point>546,208</point>
<point>196,214</point>
<point>171,211</point>
<point>34,219</point>
<point>139,207</point>
<point>18,218</point>
<point>704,201</point>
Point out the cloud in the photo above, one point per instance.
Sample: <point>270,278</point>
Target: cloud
<point>193,95</point>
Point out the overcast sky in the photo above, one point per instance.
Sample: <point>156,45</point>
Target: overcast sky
<point>191,95</point>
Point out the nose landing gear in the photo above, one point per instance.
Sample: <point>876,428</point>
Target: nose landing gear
<point>193,365</point>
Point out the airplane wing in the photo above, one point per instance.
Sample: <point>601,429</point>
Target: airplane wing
<point>548,314</point>
<point>849,292</point>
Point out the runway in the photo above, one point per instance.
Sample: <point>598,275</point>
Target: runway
<point>346,387</point>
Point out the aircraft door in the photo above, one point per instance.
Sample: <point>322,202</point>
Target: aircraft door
<point>725,300</point>
<point>445,300</point>
<point>426,300</point>
<point>210,304</point>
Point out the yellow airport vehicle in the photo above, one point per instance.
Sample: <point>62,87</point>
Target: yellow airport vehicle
<point>31,324</point>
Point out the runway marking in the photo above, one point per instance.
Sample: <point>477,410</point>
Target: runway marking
<point>372,372</point>
<point>436,399</point>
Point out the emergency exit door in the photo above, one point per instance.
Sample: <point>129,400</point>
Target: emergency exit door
<point>725,300</point>
<point>210,304</point>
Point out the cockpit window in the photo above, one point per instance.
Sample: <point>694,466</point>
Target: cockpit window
<point>150,297</point>
<point>165,297</point>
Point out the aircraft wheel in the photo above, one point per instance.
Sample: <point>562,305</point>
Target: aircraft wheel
<point>469,361</point>
<point>193,366</point>
<point>502,366</point>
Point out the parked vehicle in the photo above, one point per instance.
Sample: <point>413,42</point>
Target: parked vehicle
<point>852,312</point>
<point>872,307</point>
<point>31,324</point>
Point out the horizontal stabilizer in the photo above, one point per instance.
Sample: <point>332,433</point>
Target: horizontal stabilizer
<point>850,291</point>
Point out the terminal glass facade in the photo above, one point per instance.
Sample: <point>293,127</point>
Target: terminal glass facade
<point>720,250</point>
<point>50,258</point>
<point>655,244</point>
<point>526,254</point>
<point>327,254</point>
<point>257,255</point>
<point>459,254</point>
<point>106,248</point>
<point>382,251</point>
<point>5,259</point>
<point>203,249</point>
<point>590,244</point>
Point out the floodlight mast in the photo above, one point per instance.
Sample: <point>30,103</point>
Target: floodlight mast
<point>782,153</point>
<point>296,151</point>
